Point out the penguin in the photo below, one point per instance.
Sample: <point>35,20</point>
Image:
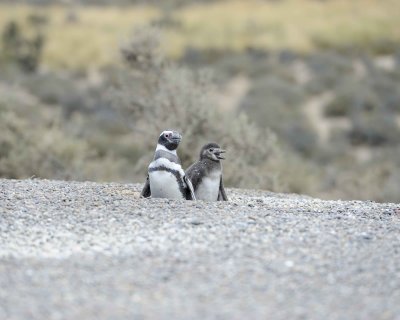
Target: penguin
<point>166,178</point>
<point>206,174</point>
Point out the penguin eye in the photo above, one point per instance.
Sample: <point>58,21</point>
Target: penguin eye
<point>211,150</point>
<point>167,135</point>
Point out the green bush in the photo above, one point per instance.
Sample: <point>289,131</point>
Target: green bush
<point>374,128</point>
<point>276,103</point>
<point>377,178</point>
<point>155,94</point>
<point>19,48</point>
<point>351,96</point>
<point>328,70</point>
<point>34,143</point>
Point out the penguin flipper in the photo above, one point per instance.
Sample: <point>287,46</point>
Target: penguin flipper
<point>146,192</point>
<point>221,194</point>
<point>190,191</point>
<point>194,174</point>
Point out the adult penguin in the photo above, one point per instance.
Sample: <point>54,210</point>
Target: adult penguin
<point>166,178</point>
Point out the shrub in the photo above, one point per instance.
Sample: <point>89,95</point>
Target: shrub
<point>21,49</point>
<point>34,143</point>
<point>276,103</point>
<point>328,69</point>
<point>46,153</point>
<point>155,94</point>
<point>374,128</point>
<point>377,179</point>
<point>352,95</point>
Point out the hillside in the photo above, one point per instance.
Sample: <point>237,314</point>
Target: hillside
<point>96,251</point>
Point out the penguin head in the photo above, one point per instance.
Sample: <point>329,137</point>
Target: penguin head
<point>212,151</point>
<point>170,139</point>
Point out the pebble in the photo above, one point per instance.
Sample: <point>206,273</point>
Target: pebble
<point>84,250</point>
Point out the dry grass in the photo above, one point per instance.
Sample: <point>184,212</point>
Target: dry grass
<point>92,41</point>
<point>291,24</point>
<point>301,25</point>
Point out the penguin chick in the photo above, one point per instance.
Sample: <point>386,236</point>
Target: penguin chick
<point>206,174</point>
<point>166,178</point>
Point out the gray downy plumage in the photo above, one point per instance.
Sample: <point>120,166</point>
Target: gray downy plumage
<point>206,174</point>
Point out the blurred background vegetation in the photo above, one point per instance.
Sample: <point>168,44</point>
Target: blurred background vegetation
<point>304,94</point>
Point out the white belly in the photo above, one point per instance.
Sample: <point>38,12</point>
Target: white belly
<point>208,189</point>
<point>163,184</point>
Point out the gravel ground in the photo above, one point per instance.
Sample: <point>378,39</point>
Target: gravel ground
<point>96,251</point>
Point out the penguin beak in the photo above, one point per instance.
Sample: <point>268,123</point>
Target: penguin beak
<point>176,137</point>
<point>218,153</point>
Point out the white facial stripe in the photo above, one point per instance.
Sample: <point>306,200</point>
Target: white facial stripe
<point>168,164</point>
<point>161,147</point>
<point>166,131</point>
